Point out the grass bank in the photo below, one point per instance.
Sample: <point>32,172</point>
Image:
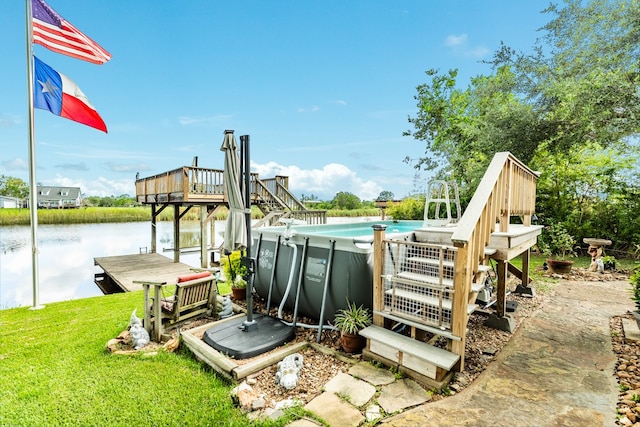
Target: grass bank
<point>93,215</point>
<point>55,371</point>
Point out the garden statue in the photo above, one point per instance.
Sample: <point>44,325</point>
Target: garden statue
<point>289,371</point>
<point>227,308</point>
<point>139,335</point>
<point>595,251</point>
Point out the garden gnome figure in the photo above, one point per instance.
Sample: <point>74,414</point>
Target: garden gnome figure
<point>139,335</point>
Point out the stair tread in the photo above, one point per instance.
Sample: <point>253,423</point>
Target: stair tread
<point>435,280</point>
<point>428,300</point>
<point>430,261</point>
<point>439,357</point>
<point>444,331</point>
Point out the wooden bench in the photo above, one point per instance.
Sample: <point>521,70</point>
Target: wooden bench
<point>194,295</point>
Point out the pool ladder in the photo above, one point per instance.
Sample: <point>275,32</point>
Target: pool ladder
<point>439,198</point>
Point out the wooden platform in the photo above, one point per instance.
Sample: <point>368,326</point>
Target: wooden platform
<point>119,272</point>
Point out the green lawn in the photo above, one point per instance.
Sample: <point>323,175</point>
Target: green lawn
<point>55,371</point>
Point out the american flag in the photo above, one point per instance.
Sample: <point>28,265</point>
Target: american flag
<point>53,32</point>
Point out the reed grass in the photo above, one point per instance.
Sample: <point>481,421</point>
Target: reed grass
<point>93,215</point>
<point>56,371</point>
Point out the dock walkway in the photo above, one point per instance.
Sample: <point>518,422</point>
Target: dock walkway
<point>119,272</point>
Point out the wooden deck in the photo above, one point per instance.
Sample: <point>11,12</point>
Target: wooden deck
<point>119,272</point>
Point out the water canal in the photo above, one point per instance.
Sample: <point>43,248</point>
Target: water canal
<point>66,252</point>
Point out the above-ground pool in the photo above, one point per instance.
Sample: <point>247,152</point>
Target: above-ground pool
<point>347,273</point>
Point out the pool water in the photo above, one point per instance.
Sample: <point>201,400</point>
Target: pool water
<point>358,229</point>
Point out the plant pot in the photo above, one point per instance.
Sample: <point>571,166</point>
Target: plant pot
<point>239,293</point>
<point>352,343</point>
<point>559,266</point>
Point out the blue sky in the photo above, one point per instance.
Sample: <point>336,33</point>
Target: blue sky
<point>323,88</point>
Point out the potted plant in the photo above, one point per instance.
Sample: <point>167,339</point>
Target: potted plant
<point>609,262</point>
<point>634,281</point>
<point>234,273</point>
<point>350,321</point>
<point>239,288</point>
<point>557,245</point>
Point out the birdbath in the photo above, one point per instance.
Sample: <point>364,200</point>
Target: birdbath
<point>595,250</point>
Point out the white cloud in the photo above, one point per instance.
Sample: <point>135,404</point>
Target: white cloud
<point>454,40</point>
<point>220,118</point>
<point>341,102</point>
<point>312,109</point>
<point>16,164</point>
<point>101,187</point>
<point>323,183</point>
<point>461,46</point>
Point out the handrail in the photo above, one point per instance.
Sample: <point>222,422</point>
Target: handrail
<point>279,187</point>
<point>507,188</point>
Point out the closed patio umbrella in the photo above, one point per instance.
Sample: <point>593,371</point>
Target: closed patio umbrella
<point>235,233</point>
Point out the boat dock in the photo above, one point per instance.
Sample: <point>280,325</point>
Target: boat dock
<point>119,272</point>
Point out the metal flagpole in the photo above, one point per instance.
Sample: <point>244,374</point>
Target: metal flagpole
<point>33,192</point>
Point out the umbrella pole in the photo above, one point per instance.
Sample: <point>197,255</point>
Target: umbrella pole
<point>250,323</point>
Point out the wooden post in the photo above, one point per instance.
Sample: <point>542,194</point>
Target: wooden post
<point>459,305</point>
<point>501,303</point>
<point>378,269</point>
<point>526,255</point>
<point>153,228</point>
<point>204,253</point>
<point>157,312</point>
<point>176,233</point>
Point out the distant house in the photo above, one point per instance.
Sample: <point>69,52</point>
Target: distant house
<point>59,197</point>
<point>10,202</point>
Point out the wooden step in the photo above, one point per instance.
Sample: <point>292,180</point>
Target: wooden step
<point>431,261</point>
<point>427,300</point>
<point>431,361</point>
<point>442,331</point>
<point>424,278</point>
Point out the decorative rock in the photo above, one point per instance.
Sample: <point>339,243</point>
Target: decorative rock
<point>491,351</point>
<point>372,413</point>
<point>258,403</point>
<point>287,403</point>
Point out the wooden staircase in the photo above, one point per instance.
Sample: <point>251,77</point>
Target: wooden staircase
<point>419,287</point>
<point>429,283</point>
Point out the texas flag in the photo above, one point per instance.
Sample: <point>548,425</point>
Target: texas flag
<point>57,93</point>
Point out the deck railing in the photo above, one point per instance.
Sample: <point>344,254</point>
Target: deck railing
<point>507,188</point>
<point>195,184</point>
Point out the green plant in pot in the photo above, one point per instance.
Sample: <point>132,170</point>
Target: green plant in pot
<point>235,272</point>
<point>634,281</point>
<point>558,245</point>
<point>350,321</point>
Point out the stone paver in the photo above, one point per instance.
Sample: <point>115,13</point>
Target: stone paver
<point>335,411</point>
<point>557,369</point>
<point>402,394</point>
<point>356,391</point>
<point>366,371</point>
<point>304,422</point>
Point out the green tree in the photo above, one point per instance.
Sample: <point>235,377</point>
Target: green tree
<point>385,196</point>
<point>13,187</point>
<point>569,109</point>
<point>345,200</point>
